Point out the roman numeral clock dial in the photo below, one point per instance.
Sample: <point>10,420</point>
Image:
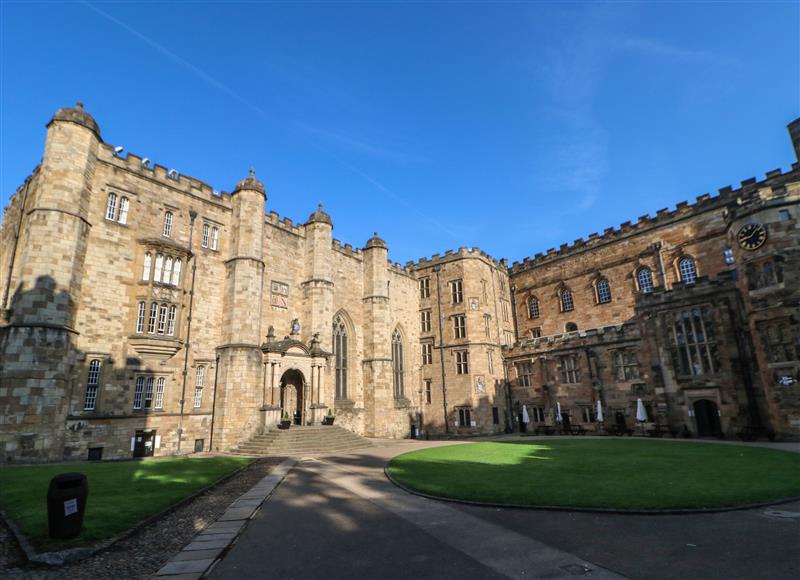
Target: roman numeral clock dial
<point>752,236</point>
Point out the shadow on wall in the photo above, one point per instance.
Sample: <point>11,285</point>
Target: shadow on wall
<point>58,402</point>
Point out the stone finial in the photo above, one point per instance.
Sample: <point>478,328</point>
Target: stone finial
<point>252,183</point>
<point>78,116</point>
<point>319,217</point>
<point>375,242</point>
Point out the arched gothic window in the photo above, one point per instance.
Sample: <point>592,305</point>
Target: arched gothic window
<point>565,295</point>
<point>687,270</point>
<point>603,289</point>
<point>176,273</point>
<point>167,270</point>
<point>533,307</point>
<point>159,266</point>
<point>340,356</point>
<point>645,279</point>
<point>397,363</point>
<point>570,327</point>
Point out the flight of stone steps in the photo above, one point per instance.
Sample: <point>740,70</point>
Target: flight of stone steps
<point>305,440</point>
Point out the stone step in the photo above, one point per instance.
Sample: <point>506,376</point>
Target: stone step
<point>301,440</point>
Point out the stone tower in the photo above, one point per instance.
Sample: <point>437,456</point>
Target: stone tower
<point>37,347</point>
<point>240,357</point>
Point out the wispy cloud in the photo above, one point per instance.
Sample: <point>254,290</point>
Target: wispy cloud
<point>203,75</point>
<point>657,47</point>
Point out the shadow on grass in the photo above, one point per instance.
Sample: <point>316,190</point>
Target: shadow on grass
<point>630,474</point>
<point>121,494</point>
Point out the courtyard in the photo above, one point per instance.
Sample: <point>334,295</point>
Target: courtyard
<point>339,516</point>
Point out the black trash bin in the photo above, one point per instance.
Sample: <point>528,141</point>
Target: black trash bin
<point>66,504</point>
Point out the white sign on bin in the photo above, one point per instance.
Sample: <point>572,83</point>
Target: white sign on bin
<point>70,507</point>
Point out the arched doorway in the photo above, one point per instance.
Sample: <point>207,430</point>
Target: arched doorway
<point>706,416</point>
<point>292,395</point>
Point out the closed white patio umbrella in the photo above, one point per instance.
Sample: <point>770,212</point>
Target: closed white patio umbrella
<point>641,414</point>
<point>599,413</point>
<point>558,412</point>
<point>525,417</point>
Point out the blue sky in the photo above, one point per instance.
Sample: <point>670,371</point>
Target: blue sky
<point>514,127</point>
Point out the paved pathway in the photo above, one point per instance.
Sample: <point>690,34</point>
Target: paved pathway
<point>338,517</point>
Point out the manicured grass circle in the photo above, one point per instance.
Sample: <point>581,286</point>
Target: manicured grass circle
<point>602,473</point>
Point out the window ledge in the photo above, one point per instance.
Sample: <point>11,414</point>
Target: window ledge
<point>402,403</point>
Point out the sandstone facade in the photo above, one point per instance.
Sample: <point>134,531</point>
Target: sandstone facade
<point>144,312</point>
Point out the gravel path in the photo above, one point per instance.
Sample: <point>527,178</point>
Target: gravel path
<point>143,553</point>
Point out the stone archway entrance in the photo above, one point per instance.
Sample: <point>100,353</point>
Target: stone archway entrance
<point>292,395</point>
<point>706,416</point>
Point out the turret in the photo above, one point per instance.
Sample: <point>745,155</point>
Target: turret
<point>318,284</point>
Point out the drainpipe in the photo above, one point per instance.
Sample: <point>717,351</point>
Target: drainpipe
<point>192,217</point>
<point>436,269</point>
<point>514,311</point>
<point>7,289</point>
<point>213,404</point>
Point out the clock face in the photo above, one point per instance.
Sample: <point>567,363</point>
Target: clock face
<point>752,236</point>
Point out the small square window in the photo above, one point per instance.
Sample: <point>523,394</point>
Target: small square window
<point>95,453</point>
<point>199,445</point>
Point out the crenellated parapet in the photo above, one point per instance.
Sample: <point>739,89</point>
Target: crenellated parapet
<point>163,176</point>
<point>608,334</point>
<point>749,191</point>
<point>451,255</point>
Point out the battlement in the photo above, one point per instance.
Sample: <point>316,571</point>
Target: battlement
<point>286,224</point>
<point>751,188</point>
<point>451,255</point>
<point>347,250</point>
<point>185,183</point>
<point>610,333</point>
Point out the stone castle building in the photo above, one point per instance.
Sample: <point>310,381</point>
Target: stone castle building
<point>145,313</point>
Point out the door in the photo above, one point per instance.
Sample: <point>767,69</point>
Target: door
<point>144,443</point>
<point>706,416</point>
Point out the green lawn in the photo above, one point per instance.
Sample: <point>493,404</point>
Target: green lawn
<point>120,493</point>
<point>605,473</point>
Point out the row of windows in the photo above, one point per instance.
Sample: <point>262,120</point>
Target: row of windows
<point>161,319</point>
<point>626,368</point>
<point>148,390</point>
<point>602,287</point>
<point>117,211</point>
<point>166,270</point>
<point>457,289</point>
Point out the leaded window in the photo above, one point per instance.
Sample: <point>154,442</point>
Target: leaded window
<point>176,273</point>
<point>462,362</point>
<point>397,364</point>
<point>138,394</point>
<point>111,207</point>
<point>92,384</point>
<point>141,309</point>
<point>167,224</point>
<point>525,374</point>
<point>425,288</point>
<point>199,379</point>
<point>460,326</point>
<point>694,341</point>
<point>151,322</point>
<point>173,313</point>
<point>603,291</point>
<point>626,363</point>
<point>781,341</point>
<point>206,232</point>
<point>214,237</point>
<point>160,384</point>
<point>148,259</point>
<point>340,356</point>
<point>687,270</point>
<point>427,353</point>
<point>425,321</point>
<point>533,308</point>
<point>167,277</point>
<point>645,278</point>
<point>457,291</point>
<point>159,267</point>
<point>162,319</point>
<point>764,274</point>
<point>566,300</point>
<point>124,204</point>
<point>569,369</point>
